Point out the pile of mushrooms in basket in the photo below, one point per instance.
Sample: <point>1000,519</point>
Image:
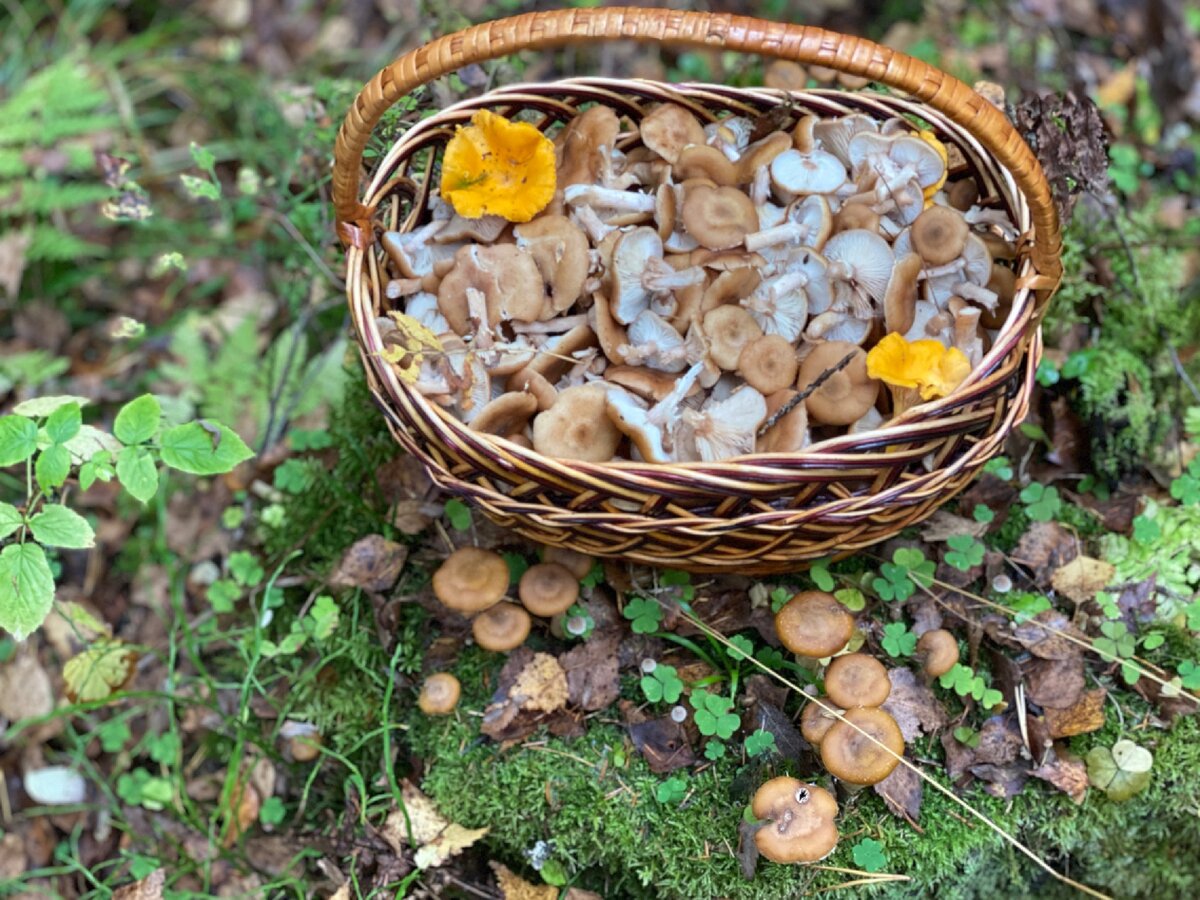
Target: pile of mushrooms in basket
<point>708,291</point>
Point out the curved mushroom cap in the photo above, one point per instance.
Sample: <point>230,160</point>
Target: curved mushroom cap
<point>799,821</point>
<point>768,363</point>
<point>963,193</point>
<point>548,589</point>
<point>560,250</point>
<point>814,623</point>
<point>502,628</point>
<point>940,650</point>
<point>857,679</point>
<point>761,153</point>
<point>846,394</point>
<point>815,723</point>
<point>724,428</point>
<point>729,287</point>
<point>507,277</point>
<point>439,694</point>
<point>631,255</point>
<point>795,173</point>
<point>785,75</point>
<point>803,136</point>
<point>471,580</point>
<point>788,434</point>
<point>709,163</point>
<point>583,145</point>
<point>719,218</point>
<point>728,329</point>
<point>1003,284</point>
<point>855,758</point>
<point>647,383</point>
<point>577,426</point>
<point>668,129</point>
<point>507,414</point>
<point>856,215</point>
<point>900,298</point>
<point>835,134</point>
<point>939,234</point>
<point>578,564</point>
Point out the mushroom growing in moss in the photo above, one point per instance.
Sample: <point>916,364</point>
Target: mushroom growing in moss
<point>815,722</point>
<point>548,589</point>
<point>439,694</point>
<point>471,580</point>
<point>502,628</point>
<point>938,650</point>
<point>799,821</point>
<point>851,750</point>
<point>857,680</point>
<point>815,624</point>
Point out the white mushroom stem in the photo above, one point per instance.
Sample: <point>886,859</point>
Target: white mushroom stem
<point>857,301</point>
<point>595,227</point>
<point>608,198</point>
<point>550,326</point>
<point>981,295</point>
<point>760,187</point>
<point>788,233</point>
<point>402,287</point>
<point>659,277</point>
<point>977,215</point>
<point>665,305</point>
<point>951,268</point>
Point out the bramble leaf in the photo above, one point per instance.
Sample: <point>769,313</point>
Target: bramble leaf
<point>138,420</point>
<point>203,449</point>
<point>58,526</point>
<point>26,588</point>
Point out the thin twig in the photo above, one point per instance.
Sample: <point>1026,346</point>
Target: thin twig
<point>793,402</point>
<point>1182,372</point>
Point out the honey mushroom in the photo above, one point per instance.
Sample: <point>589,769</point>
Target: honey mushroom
<point>814,624</point>
<point>798,821</point>
<point>439,694</point>
<point>851,749</point>
<point>502,627</point>
<point>547,589</point>
<point>938,651</point>
<point>471,580</point>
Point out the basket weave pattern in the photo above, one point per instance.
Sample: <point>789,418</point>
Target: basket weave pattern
<point>757,513</point>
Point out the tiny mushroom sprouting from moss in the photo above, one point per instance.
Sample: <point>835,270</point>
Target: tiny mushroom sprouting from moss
<point>856,757</point>
<point>799,821</point>
<point>816,721</point>
<point>938,651</point>
<point>503,627</point>
<point>815,624</point>
<point>843,396</point>
<point>857,679</point>
<point>471,580</point>
<point>439,694</point>
<point>547,589</point>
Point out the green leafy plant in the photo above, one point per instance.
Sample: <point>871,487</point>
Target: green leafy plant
<point>672,790</point>
<point>779,598</point>
<point>714,715</point>
<point>1118,645</point>
<point>966,735</point>
<point>662,684</point>
<point>869,856</point>
<point>898,641</point>
<point>644,615</point>
<point>898,580</point>
<point>965,552</point>
<point>1041,503</point>
<point>320,622</point>
<point>1000,466</point>
<point>964,682</point>
<point>760,742</point>
<point>48,437</point>
<point>1121,771</point>
<point>1186,488</point>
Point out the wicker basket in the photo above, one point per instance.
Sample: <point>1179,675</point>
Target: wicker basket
<point>754,514</point>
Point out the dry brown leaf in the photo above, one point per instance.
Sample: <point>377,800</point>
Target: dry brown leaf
<point>1082,577</point>
<point>514,887</point>
<point>244,806</point>
<point>943,525</point>
<point>1054,683</point>
<point>438,839</point>
<point>663,743</point>
<point>1044,548</point>
<point>342,893</point>
<point>902,792</point>
<point>1068,774</point>
<point>1047,635</point>
<point>541,685</point>
<point>12,856</point>
<point>25,688</point>
<point>1083,717</point>
<point>149,888</point>
<point>373,564</point>
<point>913,705</point>
<point>592,678</point>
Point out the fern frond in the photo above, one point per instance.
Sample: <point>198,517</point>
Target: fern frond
<point>51,245</point>
<point>44,197</point>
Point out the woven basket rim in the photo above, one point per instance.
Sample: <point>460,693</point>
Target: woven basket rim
<point>845,448</point>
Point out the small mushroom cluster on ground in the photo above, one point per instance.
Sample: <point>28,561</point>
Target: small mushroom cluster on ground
<point>704,292</point>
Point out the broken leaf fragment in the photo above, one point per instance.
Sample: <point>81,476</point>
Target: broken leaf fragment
<point>436,838</point>
<point>407,346</point>
<point>1122,771</point>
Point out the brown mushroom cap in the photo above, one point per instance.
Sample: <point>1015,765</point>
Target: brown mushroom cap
<point>768,363</point>
<point>507,277</point>
<point>940,651</point>
<point>548,589</point>
<point>439,694</point>
<point>709,163</point>
<point>799,821</point>
<point>855,215</point>
<point>760,154</point>
<point>1004,283</point>
<point>900,299</point>
<point>815,723</point>
<point>785,75</point>
<point>577,426</point>
<point>855,758</point>
<point>814,623</point>
<point>719,218</point>
<point>939,234</point>
<point>507,414</point>
<point>502,628</point>
<point>962,194</point>
<point>857,679</point>
<point>560,250</point>
<point>668,129</point>
<point>306,747</point>
<point>847,394</point>
<point>471,580</point>
<point>583,143</point>
<point>728,329</point>
<point>578,564</point>
<point>788,434</point>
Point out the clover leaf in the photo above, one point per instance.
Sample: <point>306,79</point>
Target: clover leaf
<point>644,615</point>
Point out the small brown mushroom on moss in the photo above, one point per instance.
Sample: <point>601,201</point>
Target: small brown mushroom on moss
<point>439,694</point>
<point>799,821</point>
<point>815,624</point>
<point>548,589</point>
<point>857,680</point>
<point>815,722</point>
<point>502,628</point>
<point>471,580</point>
<point>857,757</point>
<point>939,652</point>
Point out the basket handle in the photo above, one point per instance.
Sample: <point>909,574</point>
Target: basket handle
<point>801,43</point>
